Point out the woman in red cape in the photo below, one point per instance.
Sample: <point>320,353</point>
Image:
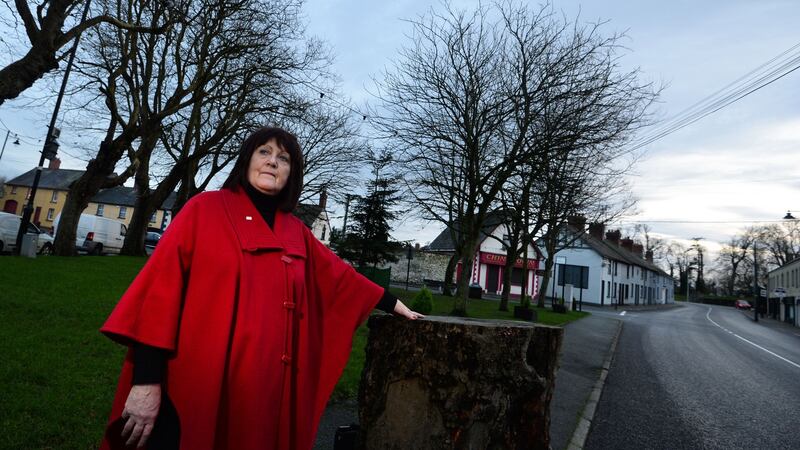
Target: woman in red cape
<point>241,321</point>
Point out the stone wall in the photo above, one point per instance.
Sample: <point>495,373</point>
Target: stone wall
<point>447,383</point>
<point>424,266</point>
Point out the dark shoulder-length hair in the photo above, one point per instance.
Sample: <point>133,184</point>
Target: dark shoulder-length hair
<point>290,194</point>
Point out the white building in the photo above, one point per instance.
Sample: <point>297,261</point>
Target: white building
<point>315,217</point>
<point>784,286</point>
<point>606,270</point>
<point>490,259</point>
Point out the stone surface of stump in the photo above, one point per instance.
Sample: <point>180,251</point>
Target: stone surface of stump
<point>456,383</point>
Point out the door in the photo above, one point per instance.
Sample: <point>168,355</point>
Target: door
<point>10,206</point>
<point>492,276</point>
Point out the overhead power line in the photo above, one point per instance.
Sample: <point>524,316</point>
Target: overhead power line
<point>765,74</point>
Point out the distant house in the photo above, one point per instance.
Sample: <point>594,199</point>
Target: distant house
<point>784,291</point>
<point>606,270</point>
<point>115,203</point>
<point>490,259</point>
<point>315,217</point>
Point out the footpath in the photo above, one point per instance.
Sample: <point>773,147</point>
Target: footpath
<point>586,354</point>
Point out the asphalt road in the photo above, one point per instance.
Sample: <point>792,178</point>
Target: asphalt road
<point>700,377</point>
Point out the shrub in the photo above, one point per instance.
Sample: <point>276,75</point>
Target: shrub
<point>559,308</point>
<point>423,301</point>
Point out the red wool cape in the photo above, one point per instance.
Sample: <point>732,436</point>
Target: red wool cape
<point>258,323</point>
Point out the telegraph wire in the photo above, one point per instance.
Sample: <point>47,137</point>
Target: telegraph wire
<point>752,84</point>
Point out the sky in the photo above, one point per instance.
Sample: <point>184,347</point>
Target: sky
<point>738,166</point>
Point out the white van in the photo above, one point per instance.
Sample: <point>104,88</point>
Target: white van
<point>98,235</point>
<point>9,226</point>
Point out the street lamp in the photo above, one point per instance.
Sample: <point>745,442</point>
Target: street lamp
<point>16,142</point>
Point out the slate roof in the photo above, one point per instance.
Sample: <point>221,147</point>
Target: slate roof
<point>444,242</point>
<point>615,252</point>
<point>307,213</point>
<point>62,179</point>
<point>57,179</point>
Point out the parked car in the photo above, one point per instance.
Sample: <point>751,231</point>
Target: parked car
<point>742,304</point>
<point>98,235</point>
<point>150,241</point>
<point>9,226</point>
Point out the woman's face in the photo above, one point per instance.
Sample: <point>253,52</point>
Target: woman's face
<point>269,168</point>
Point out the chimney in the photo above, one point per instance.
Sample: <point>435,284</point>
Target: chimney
<point>627,244</point>
<point>638,249</point>
<point>597,230</point>
<point>55,163</point>
<point>613,236</point>
<point>323,199</point>
<point>577,222</point>
<point>648,255</point>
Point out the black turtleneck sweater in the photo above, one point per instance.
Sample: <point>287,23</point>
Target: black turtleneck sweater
<point>149,363</point>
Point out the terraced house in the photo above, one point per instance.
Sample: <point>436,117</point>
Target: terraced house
<point>604,269</point>
<point>115,203</point>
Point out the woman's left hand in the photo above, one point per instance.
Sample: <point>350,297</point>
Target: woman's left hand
<point>402,310</point>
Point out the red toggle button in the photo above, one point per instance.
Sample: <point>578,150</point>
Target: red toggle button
<point>286,259</point>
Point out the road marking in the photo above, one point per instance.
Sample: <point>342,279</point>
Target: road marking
<point>622,313</point>
<point>750,342</point>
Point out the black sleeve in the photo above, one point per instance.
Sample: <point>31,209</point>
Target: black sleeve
<point>387,303</point>
<point>149,364</point>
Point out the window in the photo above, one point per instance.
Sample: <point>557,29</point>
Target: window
<point>609,267</point>
<point>54,197</point>
<point>153,217</point>
<point>577,276</point>
<point>616,267</point>
<point>13,190</point>
<point>123,211</point>
<point>99,211</point>
<point>50,213</point>
<point>323,232</point>
<point>28,194</point>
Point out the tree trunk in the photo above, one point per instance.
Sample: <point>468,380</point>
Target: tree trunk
<point>448,274</point>
<point>508,268</point>
<point>548,271</point>
<point>460,301</point>
<point>438,392</point>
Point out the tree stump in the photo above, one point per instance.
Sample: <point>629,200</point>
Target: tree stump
<point>456,383</point>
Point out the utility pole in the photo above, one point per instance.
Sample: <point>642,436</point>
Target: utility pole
<point>347,199</point>
<point>756,290</point>
<point>50,145</point>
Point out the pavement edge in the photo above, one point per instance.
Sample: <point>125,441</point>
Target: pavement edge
<point>581,432</point>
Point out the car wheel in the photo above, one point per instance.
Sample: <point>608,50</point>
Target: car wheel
<point>97,250</point>
<point>47,249</point>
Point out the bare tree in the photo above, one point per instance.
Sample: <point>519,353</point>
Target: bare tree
<point>47,37</point>
<point>730,259</point>
<point>145,82</point>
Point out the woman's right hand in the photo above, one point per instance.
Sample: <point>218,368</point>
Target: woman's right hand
<point>141,410</point>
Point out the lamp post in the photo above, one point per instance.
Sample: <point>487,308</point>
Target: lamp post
<point>50,145</point>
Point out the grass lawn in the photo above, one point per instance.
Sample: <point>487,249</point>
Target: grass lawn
<point>58,373</point>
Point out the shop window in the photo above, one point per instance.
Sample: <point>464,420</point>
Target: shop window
<point>100,208</point>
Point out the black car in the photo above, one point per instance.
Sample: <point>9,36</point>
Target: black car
<point>150,241</point>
